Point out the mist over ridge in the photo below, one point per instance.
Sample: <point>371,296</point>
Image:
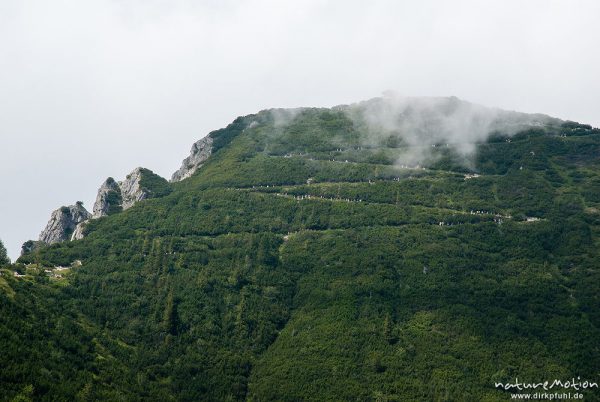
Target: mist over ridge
<point>416,125</point>
<point>422,123</point>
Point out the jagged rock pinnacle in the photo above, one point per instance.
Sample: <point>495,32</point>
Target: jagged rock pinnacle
<point>131,189</point>
<point>63,222</point>
<point>108,200</point>
<point>199,153</point>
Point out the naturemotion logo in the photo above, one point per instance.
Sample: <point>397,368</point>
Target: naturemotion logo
<point>548,385</point>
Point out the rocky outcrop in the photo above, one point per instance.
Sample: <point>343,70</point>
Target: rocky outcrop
<point>63,222</point>
<point>78,232</point>
<point>68,223</point>
<point>118,196</point>
<point>199,153</point>
<point>132,190</point>
<point>115,196</point>
<point>108,200</point>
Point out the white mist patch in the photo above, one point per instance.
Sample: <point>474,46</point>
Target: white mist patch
<point>421,124</point>
<point>283,117</point>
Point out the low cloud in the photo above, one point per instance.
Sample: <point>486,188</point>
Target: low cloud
<point>418,125</point>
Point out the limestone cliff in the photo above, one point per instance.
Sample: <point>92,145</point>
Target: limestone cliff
<point>131,188</point>
<point>139,185</point>
<point>199,153</point>
<point>63,222</point>
<point>78,232</point>
<point>68,223</point>
<point>112,197</point>
<point>108,200</point>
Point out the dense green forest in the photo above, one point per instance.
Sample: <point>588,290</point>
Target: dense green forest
<point>303,261</point>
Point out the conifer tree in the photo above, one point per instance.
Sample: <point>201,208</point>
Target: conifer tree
<point>3,256</point>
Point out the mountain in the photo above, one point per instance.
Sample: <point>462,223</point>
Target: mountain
<point>395,249</point>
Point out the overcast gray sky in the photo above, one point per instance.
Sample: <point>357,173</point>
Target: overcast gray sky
<point>91,89</point>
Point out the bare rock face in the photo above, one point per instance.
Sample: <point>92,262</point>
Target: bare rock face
<point>199,153</point>
<point>108,200</point>
<point>131,189</point>
<point>115,196</point>
<point>118,196</point>
<point>63,222</point>
<point>78,232</point>
<point>68,223</point>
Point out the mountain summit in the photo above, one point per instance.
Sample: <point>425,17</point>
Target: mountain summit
<point>392,249</point>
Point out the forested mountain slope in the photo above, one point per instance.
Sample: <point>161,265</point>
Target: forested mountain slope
<point>388,250</point>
